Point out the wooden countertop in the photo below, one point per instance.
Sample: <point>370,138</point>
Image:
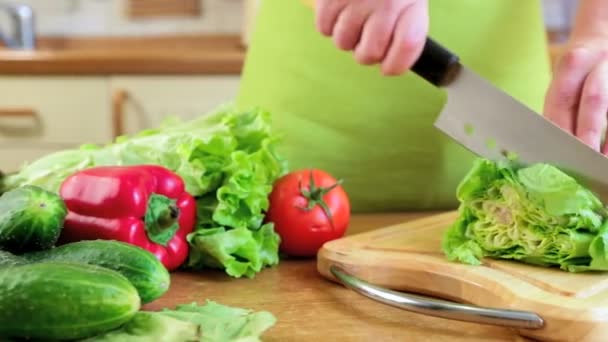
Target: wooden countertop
<point>218,54</point>
<point>185,55</point>
<point>311,308</point>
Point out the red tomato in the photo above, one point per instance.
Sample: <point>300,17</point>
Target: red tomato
<point>308,208</point>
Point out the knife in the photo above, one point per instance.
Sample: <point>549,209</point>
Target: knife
<point>493,125</point>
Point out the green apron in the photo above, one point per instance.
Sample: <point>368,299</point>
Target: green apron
<point>376,132</point>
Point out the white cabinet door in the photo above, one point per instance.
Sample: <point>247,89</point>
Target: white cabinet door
<point>41,115</point>
<point>13,157</point>
<point>54,110</point>
<point>148,100</point>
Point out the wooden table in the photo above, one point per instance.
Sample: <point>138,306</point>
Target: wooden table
<point>311,308</point>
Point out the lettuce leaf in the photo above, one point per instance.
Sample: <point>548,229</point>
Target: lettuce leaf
<point>536,214</point>
<point>240,251</point>
<point>151,326</point>
<point>228,160</point>
<point>211,322</point>
<point>224,323</point>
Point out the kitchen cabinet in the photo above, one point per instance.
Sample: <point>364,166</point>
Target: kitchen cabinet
<point>43,114</point>
<point>13,157</point>
<point>39,115</point>
<point>145,101</point>
<point>74,90</point>
<point>53,110</point>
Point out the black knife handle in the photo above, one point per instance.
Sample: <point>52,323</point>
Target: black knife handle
<point>436,64</point>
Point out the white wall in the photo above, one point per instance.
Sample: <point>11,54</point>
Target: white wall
<point>108,17</point>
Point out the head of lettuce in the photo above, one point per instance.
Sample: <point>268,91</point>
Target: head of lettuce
<point>535,214</point>
<point>227,159</point>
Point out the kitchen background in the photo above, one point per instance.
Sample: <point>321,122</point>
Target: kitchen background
<point>112,17</point>
<point>124,17</point>
<point>102,68</point>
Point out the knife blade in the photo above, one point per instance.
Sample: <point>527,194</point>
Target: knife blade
<point>494,125</point>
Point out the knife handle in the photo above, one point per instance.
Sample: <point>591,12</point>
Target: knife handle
<point>436,64</point>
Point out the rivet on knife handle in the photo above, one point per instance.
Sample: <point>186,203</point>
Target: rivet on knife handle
<point>440,308</point>
<point>436,64</point>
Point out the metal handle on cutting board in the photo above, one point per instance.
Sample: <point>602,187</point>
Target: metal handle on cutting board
<point>439,308</point>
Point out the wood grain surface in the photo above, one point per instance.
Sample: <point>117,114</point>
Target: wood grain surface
<point>163,8</point>
<point>408,257</point>
<point>309,307</point>
<point>190,55</point>
<point>160,55</point>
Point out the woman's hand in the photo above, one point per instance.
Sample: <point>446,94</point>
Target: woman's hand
<point>387,32</point>
<point>577,98</point>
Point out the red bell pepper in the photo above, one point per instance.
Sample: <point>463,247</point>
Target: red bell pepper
<point>145,205</point>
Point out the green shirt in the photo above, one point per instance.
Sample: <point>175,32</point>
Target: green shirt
<point>376,132</point>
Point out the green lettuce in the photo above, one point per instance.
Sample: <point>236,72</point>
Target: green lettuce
<point>239,251</point>
<point>228,160</point>
<point>536,214</point>
<point>211,322</point>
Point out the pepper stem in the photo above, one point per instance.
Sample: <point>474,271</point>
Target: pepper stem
<point>167,216</point>
<point>161,219</point>
<point>315,194</point>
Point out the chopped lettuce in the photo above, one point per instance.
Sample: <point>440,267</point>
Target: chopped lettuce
<point>228,161</point>
<point>211,322</point>
<point>536,214</point>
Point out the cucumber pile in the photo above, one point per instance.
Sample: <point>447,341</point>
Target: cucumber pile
<point>68,292</point>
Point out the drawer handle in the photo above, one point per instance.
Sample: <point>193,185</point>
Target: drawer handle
<point>17,113</point>
<point>118,101</point>
<point>8,129</point>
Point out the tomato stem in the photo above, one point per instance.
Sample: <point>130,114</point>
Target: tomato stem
<point>315,194</point>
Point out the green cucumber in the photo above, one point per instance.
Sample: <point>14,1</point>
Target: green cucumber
<point>31,219</point>
<point>62,301</point>
<point>141,267</point>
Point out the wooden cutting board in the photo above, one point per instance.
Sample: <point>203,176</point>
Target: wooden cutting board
<point>407,257</point>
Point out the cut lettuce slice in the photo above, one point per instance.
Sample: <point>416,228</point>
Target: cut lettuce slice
<point>536,214</point>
